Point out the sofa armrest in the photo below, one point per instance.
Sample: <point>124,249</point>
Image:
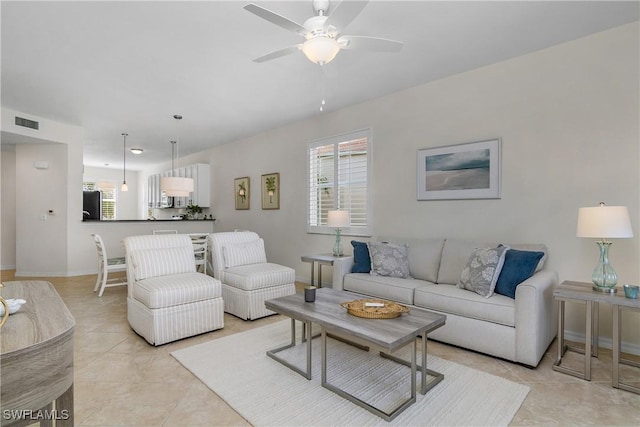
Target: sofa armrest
<point>341,266</point>
<point>536,316</point>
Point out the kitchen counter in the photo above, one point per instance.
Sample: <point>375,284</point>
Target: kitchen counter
<point>147,220</point>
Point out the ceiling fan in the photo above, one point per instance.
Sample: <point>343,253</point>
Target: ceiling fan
<point>323,32</point>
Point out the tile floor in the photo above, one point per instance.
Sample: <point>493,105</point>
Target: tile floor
<point>121,380</point>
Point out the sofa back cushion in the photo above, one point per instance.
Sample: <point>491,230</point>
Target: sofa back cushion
<point>157,262</point>
<point>455,255</point>
<point>244,253</point>
<point>218,240</point>
<point>424,258</point>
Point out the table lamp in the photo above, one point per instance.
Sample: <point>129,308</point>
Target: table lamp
<point>604,222</point>
<point>338,219</point>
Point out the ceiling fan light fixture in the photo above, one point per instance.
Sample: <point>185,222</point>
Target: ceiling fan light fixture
<point>321,49</point>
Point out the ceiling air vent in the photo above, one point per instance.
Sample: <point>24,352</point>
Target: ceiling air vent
<point>27,123</point>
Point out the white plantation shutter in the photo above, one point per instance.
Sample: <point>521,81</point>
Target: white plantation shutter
<point>339,178</point>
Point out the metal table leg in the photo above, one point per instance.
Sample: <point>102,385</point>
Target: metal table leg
<point>617,359</point>
<point>307,331</point>
<point>590,345</point>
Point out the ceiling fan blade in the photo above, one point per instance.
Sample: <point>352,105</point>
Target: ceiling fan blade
<point>274,18</point>
<point>278,53</point>
<point>344,13</point>
<point>370,43</point>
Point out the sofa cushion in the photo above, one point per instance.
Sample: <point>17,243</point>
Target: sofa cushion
<point>482,270</point>
<point>518,267</point>
<point>391,288</point>
<point>389,259</point>
<point>455,255</point>
<point>243,253</point>
<point>424,258</point>
<point>258,276</point>
<point>451,299</point>
<point>361,258</point>
<point>163,261</point>
<point>172,290</point>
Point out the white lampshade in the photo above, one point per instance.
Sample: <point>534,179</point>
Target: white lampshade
<point>321,50</point>
<point>338,219</point>
<point>604,222</point>
<point>124,187</point>
<point>174,186</point>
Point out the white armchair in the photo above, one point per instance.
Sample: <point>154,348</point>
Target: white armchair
<point>167,299</point>
<point>240,263</point>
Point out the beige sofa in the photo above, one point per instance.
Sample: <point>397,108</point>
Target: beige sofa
<point>519,330</point>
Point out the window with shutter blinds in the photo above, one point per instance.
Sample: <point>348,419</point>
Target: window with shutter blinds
<point>339,178</point>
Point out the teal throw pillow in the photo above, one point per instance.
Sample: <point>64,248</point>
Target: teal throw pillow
<point>518,267</point>
<point>361,258</point>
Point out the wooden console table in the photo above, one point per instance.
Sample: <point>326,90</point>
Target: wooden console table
<point>36,356</point>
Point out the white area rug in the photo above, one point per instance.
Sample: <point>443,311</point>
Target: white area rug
<point>267,393</point>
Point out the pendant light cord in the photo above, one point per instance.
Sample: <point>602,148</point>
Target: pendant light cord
<point>124,157</point>
<point>174,151</point>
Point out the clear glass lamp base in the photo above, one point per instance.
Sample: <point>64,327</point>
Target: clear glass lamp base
<point>604,276</point>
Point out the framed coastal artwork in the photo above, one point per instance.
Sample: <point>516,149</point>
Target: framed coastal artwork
<point>463,171</point>
<point>271,191</point>
<point>241,191</point>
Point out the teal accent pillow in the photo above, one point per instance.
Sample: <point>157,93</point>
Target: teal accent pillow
<point>518,267</point>
<point>361,258</point>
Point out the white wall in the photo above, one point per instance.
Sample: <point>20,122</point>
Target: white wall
<point>568,117</point>
<point>127,201</point>
<point>44,246</point>
<point>8,208</point>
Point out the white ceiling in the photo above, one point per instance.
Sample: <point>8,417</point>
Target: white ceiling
<point>130,66</point>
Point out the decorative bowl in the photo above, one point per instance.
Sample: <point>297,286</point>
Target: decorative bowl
<point>14,305</point>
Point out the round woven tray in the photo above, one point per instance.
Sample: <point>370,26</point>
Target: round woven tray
<point>389,311</point>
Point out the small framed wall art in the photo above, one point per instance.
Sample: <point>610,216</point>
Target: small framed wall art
<point>271,191</point>
<point>241,191</point>
<point>463,171</point>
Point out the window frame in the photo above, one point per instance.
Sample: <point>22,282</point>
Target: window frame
<point>363,231</point>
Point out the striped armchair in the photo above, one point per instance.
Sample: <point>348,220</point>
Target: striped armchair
<point>240,263</point>
<point>167,299</point>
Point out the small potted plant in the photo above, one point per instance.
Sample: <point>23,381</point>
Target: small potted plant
<point>193,211</point>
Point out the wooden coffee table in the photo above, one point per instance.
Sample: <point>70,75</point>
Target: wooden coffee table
<point>385,335</point>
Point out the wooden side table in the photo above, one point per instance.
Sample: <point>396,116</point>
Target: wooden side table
<point>37,357</point>
<point>621,304</point>
<point>321,259</point>
<point>580,291</point>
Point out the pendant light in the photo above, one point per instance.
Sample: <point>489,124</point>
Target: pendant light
<point>124,186</point>
<point>175,186</point>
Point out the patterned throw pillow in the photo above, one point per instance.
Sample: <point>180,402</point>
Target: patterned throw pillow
<point>482,270</point>
<point>389,259</point>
